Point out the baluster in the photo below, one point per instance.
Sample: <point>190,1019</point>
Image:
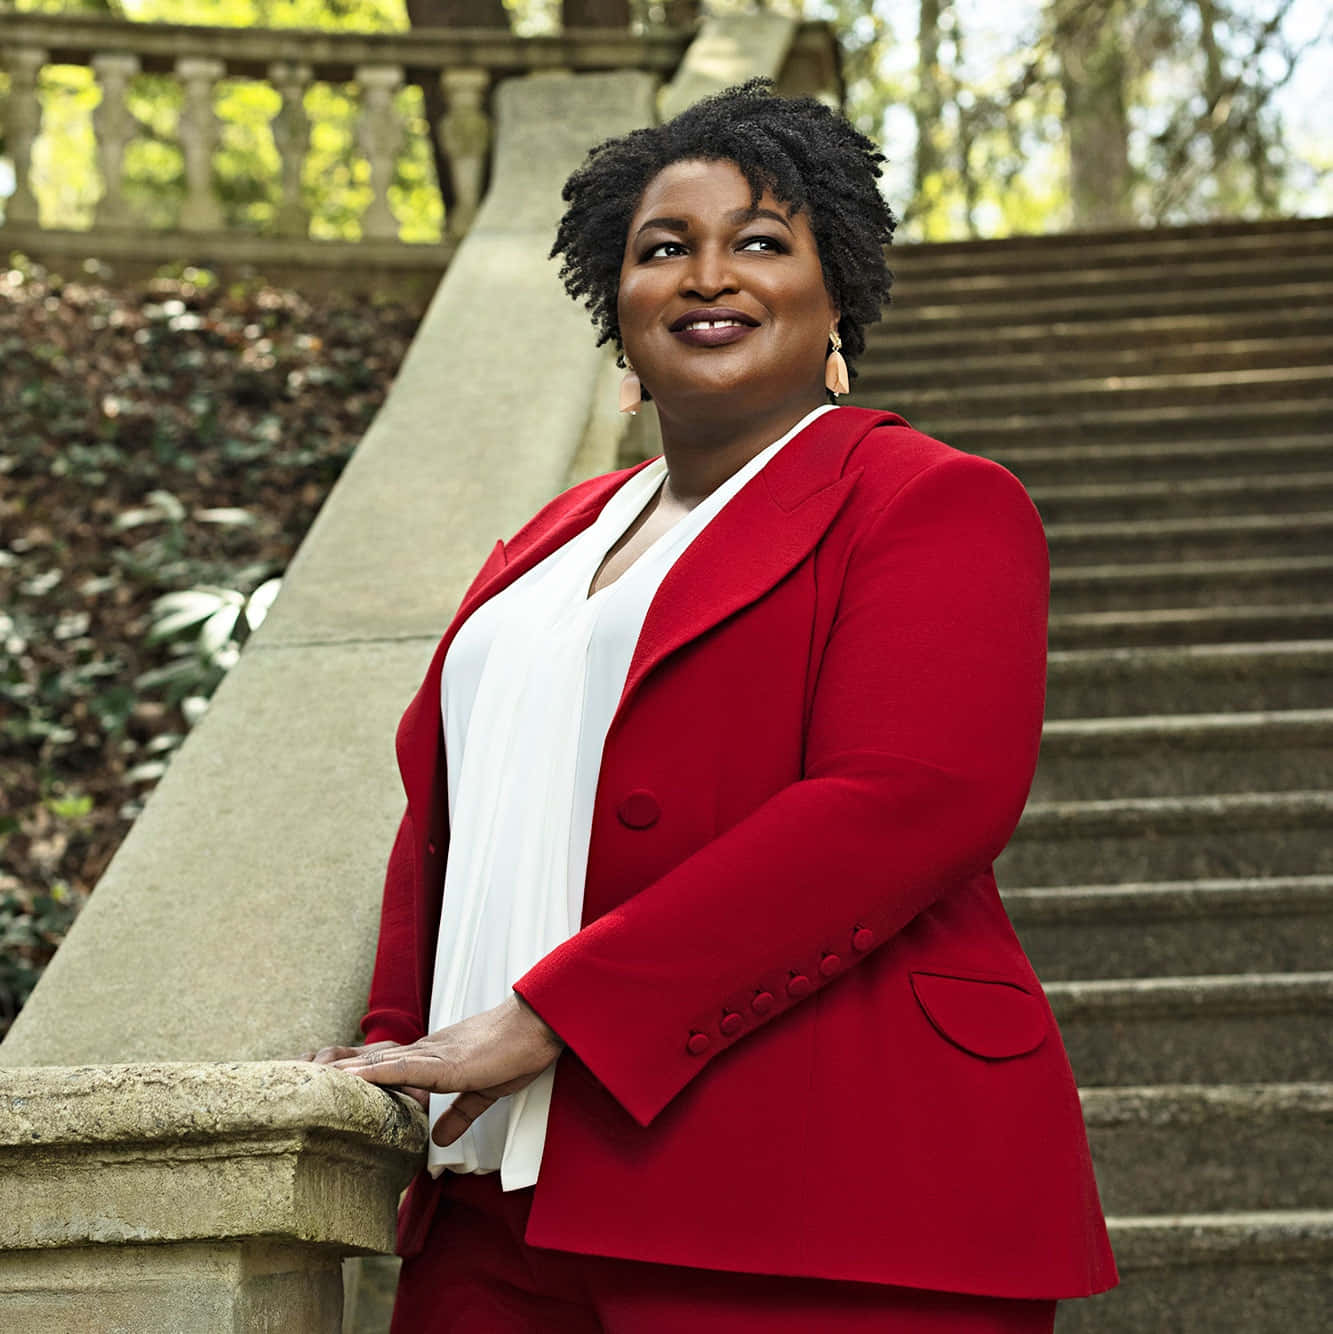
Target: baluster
<point>465,136</point>
<point>201,211</point>
<point>114,127</point>
<point>291,135</point>
<point>23,123</point>
<point>380,135</point>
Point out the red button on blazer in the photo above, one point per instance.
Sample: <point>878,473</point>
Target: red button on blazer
<point>838,687</point>
<point>639,810</point>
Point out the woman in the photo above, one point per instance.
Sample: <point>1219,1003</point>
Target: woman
<point>690,932</point>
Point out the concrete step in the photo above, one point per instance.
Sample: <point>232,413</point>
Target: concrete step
<point>1195,389</point>
<point>1191,1148</point>
<point>1190,625</point>
<point>884,371</point>
<point>1269,580</point>
<point>1235,536</point>
<point>1163,460</point>
<point>1027,308</point>
<point>998,436</point>
<point>1075,250</point>
<point>1099,502</point>
<point>1174,928</point>
<point>1092,759</point>
<point>1212,678</point>
<point>1246,1028</point>
<point>946,341</point>
<point>1170,838</point>
<point>1211,274</point>
<point>1266,1272</point>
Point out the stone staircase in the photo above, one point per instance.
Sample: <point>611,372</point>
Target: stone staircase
<point>1168,401</point>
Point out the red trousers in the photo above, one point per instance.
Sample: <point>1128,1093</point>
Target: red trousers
<point>476,1275</point>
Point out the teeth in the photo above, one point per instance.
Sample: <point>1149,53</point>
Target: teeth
<point>714,324</point>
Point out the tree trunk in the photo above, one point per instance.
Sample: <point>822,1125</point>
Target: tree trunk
<point>448,14</point>
<point>928,104</point>
<point>1093,75</point>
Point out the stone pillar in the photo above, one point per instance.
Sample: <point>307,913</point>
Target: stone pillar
<point>381,135</point>
<point>22,125</point>
<point>114,127</point>
<point>465,136</point>
<point>291,135</point>
<point>728,49</point>
<point>201,211</point>
<point>193,1198</point>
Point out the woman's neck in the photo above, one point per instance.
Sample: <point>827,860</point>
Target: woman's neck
<point>701,454</point>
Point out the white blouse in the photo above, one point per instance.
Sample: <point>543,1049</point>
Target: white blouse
<point>529,688</point>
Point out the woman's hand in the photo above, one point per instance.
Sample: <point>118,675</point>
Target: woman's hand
<point>332,1055</point>
<point>481,1059</point>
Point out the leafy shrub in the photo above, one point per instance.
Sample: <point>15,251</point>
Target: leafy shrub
<point>174,442</point>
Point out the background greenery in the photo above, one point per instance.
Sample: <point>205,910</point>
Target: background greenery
<point>162,452</point>
<point>1170,110</point>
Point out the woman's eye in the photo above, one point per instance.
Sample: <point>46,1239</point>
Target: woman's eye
<point>763,243</point>
<point>661,248</point>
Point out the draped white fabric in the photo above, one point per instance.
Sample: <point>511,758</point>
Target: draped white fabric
<point>530,685</point>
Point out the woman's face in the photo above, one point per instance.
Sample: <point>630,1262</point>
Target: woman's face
<point>718,297</point>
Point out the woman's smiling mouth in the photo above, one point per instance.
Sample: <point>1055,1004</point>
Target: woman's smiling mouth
<point>713,327</point>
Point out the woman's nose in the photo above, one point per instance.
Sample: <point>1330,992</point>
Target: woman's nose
<point>709,274</point>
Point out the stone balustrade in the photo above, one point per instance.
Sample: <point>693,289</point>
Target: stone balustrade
<point>466,65</point>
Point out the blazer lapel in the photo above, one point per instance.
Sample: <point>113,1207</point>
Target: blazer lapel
<point>766,529</point>
<point>417,741</point>
<point>763,532</point>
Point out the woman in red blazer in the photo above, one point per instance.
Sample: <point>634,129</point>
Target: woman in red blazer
<point>806,1076</point>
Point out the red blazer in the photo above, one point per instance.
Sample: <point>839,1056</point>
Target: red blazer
<point>802,1035</point>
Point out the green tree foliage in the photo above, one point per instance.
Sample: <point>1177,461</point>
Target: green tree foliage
<point>1045,114</point>
<point>1082,112</point>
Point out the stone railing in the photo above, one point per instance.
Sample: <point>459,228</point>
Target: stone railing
<point>464,64</point>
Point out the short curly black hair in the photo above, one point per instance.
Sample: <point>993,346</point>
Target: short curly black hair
<point>806,155</point>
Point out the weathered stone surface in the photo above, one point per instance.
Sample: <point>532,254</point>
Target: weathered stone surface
<point>1188,678</point>
<point>1257,581</point>
<point>193,1198</point>
<point>1293,621</point>
<point>249,51</point>
<point>1170,755</point>
<point>728,50</point>
<point>175,1152</point>
<point>192,1288</point>
<point>409,273</point>
<point>1245,1029</point>
<point>1176,928</point>
<point>1173,1148</point>
<point>1223,1273</point>
<point>1170,838</point>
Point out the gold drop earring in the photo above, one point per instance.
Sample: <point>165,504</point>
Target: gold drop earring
<point>835,368</point>
<point>631,391</point>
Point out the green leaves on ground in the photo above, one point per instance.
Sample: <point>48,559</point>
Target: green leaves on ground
<point>163,451</point>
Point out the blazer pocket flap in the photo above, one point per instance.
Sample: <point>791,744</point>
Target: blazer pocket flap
<point>984,1016</point>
